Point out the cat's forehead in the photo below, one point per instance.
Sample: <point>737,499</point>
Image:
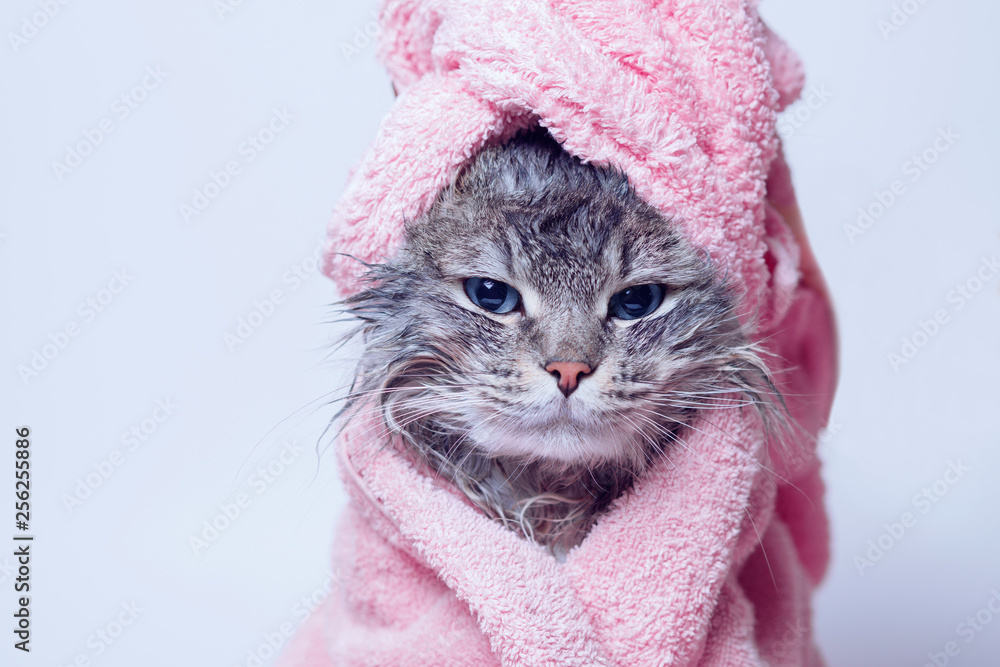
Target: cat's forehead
<point>575,238</point>
<point>529,213</point>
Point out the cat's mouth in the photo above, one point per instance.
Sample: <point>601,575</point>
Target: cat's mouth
<point>566,433</point>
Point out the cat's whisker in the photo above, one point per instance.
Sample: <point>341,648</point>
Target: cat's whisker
<point>668,433</point>
<point>730,440</point>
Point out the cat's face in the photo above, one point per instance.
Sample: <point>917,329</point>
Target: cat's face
<point>542,311</point>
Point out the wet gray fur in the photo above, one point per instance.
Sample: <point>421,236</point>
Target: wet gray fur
<point>467,390</point>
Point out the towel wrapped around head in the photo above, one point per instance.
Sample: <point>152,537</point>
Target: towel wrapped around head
<point>711,558</point>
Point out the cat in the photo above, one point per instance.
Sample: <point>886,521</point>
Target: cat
<point>544,334</point>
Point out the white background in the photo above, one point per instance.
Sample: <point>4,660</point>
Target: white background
<point>189,283</point>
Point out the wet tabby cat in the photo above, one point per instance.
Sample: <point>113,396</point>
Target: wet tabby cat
<point>544,334</point>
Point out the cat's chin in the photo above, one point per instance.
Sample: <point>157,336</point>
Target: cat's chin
<point>562,442</point>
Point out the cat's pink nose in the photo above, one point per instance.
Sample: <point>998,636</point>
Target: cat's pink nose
<point>567,374</point>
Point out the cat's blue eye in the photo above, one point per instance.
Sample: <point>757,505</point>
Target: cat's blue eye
<point>492,295</point>
<point>635,302</point>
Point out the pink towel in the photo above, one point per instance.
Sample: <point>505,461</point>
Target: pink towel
<point>712,557</point>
